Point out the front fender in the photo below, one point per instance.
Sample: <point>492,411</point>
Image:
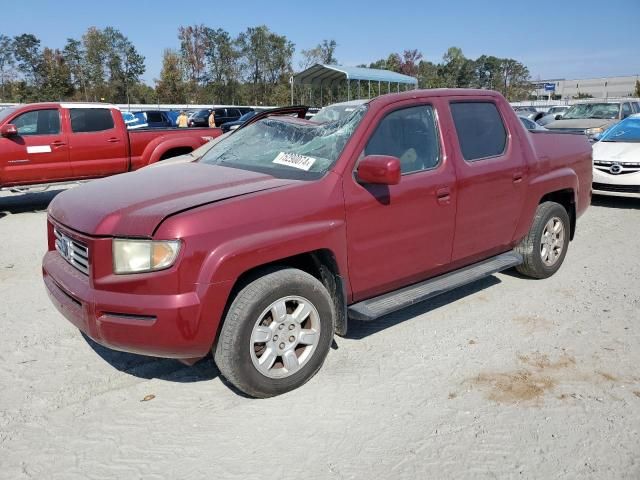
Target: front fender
<point>229,260</point>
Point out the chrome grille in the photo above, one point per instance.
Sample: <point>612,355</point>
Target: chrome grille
<point>73,251</point>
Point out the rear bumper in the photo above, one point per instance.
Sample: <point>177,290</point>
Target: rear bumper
<point>171,326</point>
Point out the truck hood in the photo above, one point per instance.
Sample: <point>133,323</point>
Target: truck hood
<point>134,204</point>
<point>579,123</point>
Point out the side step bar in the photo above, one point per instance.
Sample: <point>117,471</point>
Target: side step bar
<point>376,307</point>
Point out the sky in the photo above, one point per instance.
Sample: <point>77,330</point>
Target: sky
<point>565,39</point>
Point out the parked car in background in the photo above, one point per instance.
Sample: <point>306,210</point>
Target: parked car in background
<point>264,248</point>
<point>223,115</point>
<point>616,160</point>
<point>592,118</point>
<point>43,143</point>
<point>132,122</point>
<point>155,118</point>
<point>235,124</point>
<point>553,114</point>
<point>529,112</point>
<point>530,124</point>
<point>337,111</point>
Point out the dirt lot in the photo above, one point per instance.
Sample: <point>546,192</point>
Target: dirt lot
<point>508,378</point>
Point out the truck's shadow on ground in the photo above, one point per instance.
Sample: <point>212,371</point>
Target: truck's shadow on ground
<point>358,330</point>
<point>27,202</point>
<point>151,367</point>
<point>616,202</point>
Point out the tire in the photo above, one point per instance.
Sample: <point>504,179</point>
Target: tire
<point>293,349</point>
<point>543,255</point>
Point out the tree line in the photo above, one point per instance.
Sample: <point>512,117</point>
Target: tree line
<point>210,66</point>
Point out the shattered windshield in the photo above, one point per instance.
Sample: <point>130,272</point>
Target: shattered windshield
<point>285,147</point>
<point>592,110</point>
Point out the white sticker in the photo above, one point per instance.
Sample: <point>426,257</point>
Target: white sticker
<point>39,149</point>
<point>294,160</point>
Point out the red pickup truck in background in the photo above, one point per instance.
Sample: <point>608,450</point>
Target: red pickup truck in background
<point>45,143</point>
<point>263,248</point>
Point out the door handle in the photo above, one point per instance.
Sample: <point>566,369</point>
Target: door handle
<point>517,177</point>
<point>58,143</point>
<point>443,195</point>
<point>113,140</point>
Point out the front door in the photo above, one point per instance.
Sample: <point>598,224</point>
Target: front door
<point>39,153</point>
<point>400,234</point>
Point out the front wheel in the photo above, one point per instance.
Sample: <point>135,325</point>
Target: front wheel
<point>276,334</point>
<point>545,246</point>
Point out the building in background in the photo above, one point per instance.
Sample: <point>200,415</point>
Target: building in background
<point>596,87</point>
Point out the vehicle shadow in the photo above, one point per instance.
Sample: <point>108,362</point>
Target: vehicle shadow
<point>145,367</point>
<point>27,202</point>
<point>358,330</point>
<point>615,202</point>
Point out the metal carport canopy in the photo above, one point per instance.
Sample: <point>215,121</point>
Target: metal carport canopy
<point>319,74</point>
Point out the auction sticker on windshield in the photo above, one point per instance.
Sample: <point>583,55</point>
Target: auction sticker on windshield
<point>294,160</point>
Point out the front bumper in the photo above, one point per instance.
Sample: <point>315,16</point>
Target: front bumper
<point>622,185</point>
<point>171,326</point>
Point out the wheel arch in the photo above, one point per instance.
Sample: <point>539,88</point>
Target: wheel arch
<point>321,264</point>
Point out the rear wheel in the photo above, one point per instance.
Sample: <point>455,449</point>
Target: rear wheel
<point>545,246</point>
<point>276,334</point>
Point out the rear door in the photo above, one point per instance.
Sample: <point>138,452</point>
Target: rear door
<point>39,153</point>
<point>98,147</point>
<point>491,171</point>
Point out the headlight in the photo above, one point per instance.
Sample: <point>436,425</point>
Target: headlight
<point>590,132</point>
<point>135,256</point>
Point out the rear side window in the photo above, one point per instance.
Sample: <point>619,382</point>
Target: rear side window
<point>626,110</point>
<point>38,122</point>
<point>409,134</point>
<point>84,120</point>
<point>480,129</point>
<point>155,117</point>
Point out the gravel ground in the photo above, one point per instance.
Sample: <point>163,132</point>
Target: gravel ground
<point>507,378</point>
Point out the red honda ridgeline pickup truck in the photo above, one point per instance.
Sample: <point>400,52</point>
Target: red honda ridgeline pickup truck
<point>44,143</point>
<point>264,247</point>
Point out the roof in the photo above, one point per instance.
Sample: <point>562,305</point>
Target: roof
<point>325,74</point>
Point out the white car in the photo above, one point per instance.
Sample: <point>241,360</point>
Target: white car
<point>616,160</point>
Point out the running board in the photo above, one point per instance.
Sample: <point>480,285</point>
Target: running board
<point>376,307</point>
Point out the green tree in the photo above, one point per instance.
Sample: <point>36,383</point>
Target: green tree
<point>6,63</point>
<point>323,53</point>
<point>170,87</point>
<point>516,84</point>
<point>56,77</point>
<point>222,59</point>
<point>265,61</point>
<point>637,92</point>
<point>75,58</point>
<point>26,50</point>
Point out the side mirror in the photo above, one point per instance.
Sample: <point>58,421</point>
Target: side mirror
<point>8,130</point>
<point>559,116</point>
<point>379,169</point>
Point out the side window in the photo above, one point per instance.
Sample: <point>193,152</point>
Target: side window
<point>84,120</point>
<point>38,122</point>
<point>409,134</point>
<point>626,110</point>
<point>480,129</point>
<point>155,117</point>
